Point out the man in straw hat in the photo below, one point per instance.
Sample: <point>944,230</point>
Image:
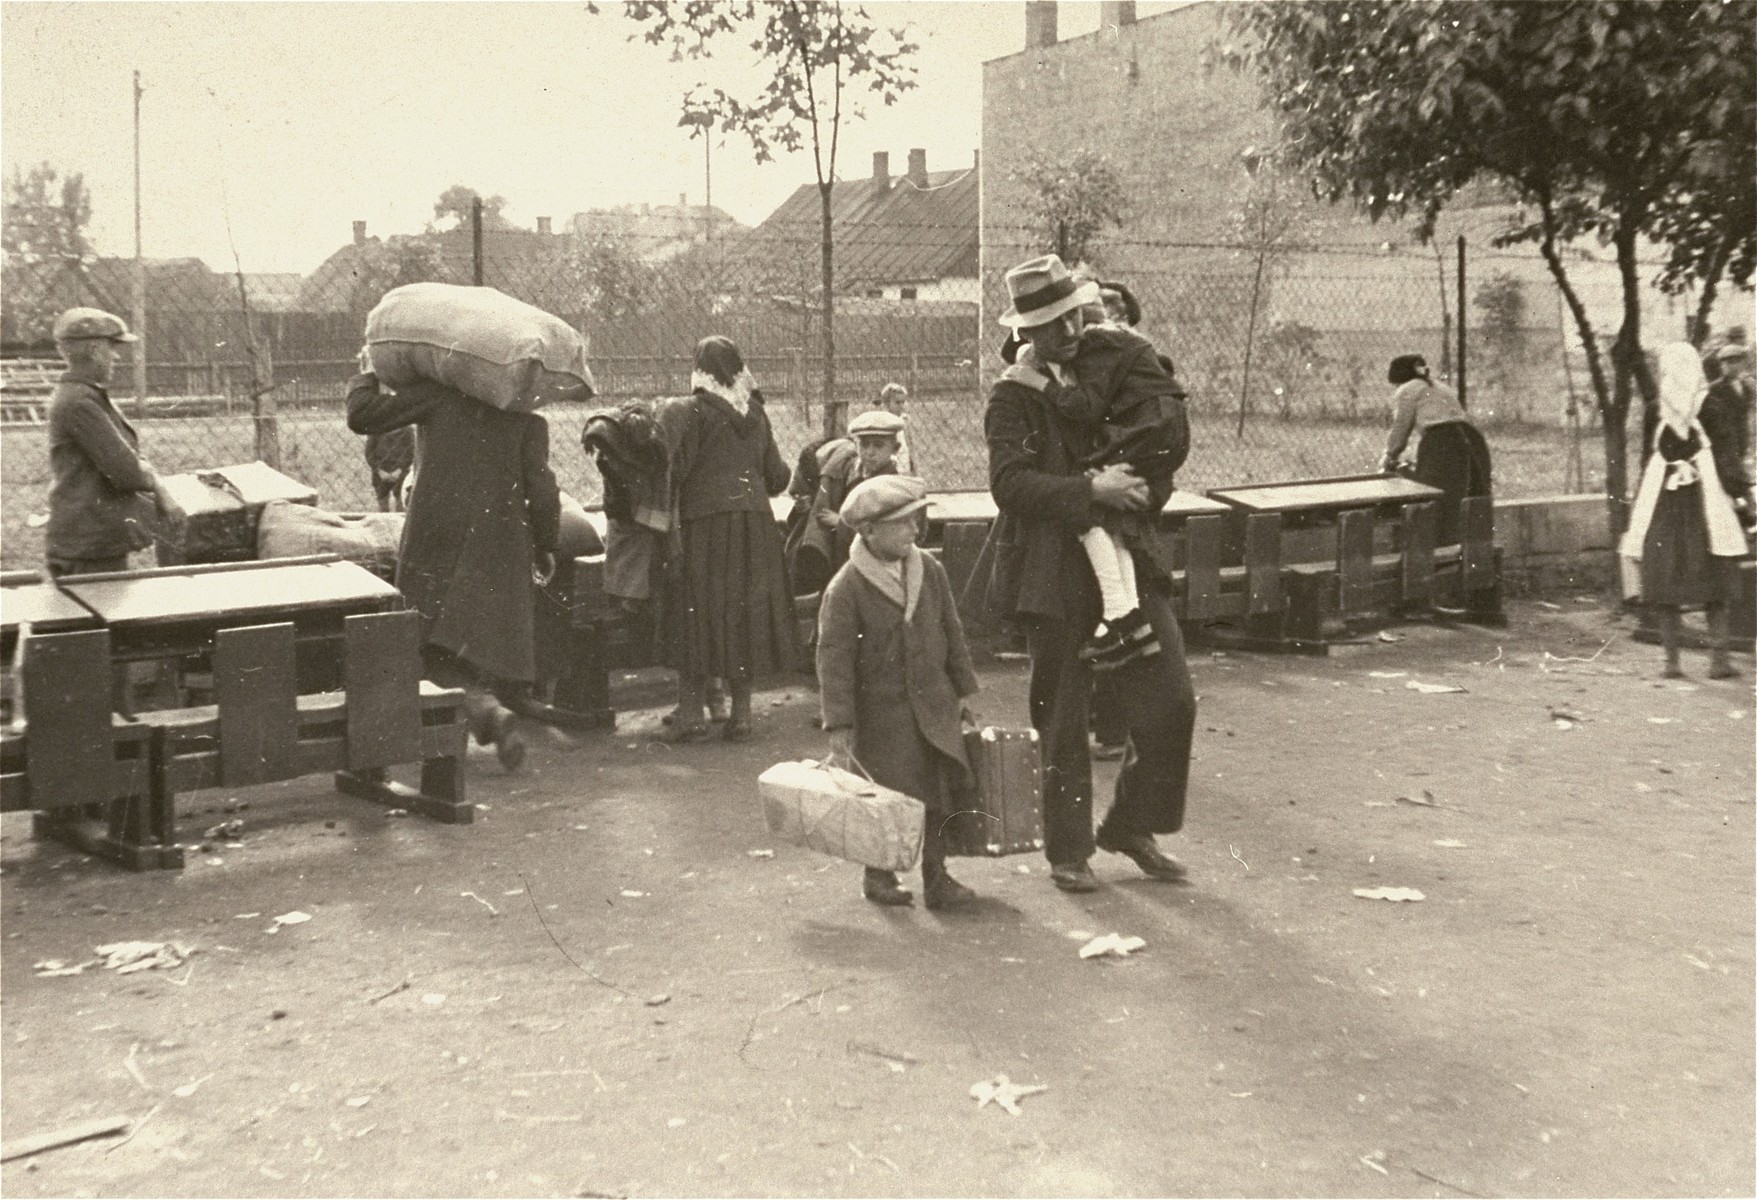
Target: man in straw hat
<point>1040,430</point>
<point>101,503</point>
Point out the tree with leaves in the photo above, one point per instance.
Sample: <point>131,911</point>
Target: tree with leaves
<point>1072,200</point>
<point>820,57</point>
<point>47,252</point>
<point>1608,119</point>
<point>456,202</point>
<point>1500,325</point>
<point>391,263</point>
<point>1267,228</point>
<point>610,281</point>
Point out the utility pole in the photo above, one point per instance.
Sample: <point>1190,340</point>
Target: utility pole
<point>139,315</point>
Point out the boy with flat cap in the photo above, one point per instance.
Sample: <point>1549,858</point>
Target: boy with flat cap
<point>894,673</point>
<point>877,438</point>
<point>101,497</point>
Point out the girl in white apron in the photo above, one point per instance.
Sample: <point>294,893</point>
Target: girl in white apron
<point>1684,527</point>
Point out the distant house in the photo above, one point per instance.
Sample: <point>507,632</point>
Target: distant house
<point>186,303</point>
<point>535,265</point>
<point>908,237</point>
<point>273,291</point>
<point>656,233</point>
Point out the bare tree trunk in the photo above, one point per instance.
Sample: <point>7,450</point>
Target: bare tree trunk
<point>835,418</point>
<point>1630,372</point>
<point>1445,314</point>
<point>1710,289</point>
<point>1244,387</point>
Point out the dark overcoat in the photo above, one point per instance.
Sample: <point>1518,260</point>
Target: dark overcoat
<point>485,504</point>
<point>1044,498</point>
<point>893,680</point>
<point>100,500</point>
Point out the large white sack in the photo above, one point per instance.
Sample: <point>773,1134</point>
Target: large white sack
<point>482,342</point>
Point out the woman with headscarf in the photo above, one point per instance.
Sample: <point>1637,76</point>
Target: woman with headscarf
<point>1450,454</point>
<point>1684,526</point>
<point>728,609</point>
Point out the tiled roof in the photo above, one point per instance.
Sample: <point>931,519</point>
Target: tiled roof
<point>886,231</point>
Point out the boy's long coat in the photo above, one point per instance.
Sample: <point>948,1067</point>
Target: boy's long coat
<point>890,680</point>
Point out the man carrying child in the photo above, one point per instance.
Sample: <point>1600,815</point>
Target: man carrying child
<point>1084,432</point>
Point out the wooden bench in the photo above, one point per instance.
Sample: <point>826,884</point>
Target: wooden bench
<point>107,784</point>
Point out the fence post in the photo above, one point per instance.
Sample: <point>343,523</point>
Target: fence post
<point>262,402</point>
<point>914,373</point>
<point>800,386</point>
<point>476,273</point>
<point>1463,397</point>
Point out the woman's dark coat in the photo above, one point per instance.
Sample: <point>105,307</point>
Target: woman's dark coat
<point>485,504</point>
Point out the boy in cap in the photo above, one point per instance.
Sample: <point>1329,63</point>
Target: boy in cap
<point>876,436</point>
<point>101,498</point>
<point>894,673</point>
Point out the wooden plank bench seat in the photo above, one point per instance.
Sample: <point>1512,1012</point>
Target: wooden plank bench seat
<point>111,791</point>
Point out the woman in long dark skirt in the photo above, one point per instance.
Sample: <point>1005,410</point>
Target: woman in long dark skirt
<point>728,609</point>
<point>1685,523</point>
<point>1450,455</point>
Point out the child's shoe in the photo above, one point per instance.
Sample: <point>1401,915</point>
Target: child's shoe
<point>1121,641</point>
<point>881,887</point>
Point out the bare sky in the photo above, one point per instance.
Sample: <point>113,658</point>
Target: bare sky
<point>291,120</point>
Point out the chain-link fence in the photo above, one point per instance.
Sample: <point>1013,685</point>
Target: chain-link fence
<point>244,367</point>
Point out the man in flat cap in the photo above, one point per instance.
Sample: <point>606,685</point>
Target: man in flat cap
<point>1040,438</point>
<point>101,501</point>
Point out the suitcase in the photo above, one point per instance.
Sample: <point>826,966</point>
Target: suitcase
<point>831,811</point>
<point>212,516</point>
<point>1006,814</point>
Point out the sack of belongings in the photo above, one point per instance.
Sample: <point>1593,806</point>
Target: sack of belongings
<point>296,530</point>
<point>484,343</point>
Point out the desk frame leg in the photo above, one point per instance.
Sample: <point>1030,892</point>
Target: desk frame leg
<point>439,774</point>
<point>137,831</point>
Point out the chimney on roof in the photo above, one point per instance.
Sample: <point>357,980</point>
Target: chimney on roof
<point>881,167</point>
<point>918,168</point>
<point>682,199</point>
<point>543,225</point>
<point>359,233</point>
<point>1116,13</point>
<point>1039,23</point>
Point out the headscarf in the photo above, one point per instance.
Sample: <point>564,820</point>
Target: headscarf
<point>1682,386</point>
<point>720,371</point>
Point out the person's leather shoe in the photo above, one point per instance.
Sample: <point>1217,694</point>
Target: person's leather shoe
<point>1146,855</point>
<point>509,743</point>
<point>942,891</point>
<point>881,887</point>
<point>1073,877</point>
<point>737,729</point>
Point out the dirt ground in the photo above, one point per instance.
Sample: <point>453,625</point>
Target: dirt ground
<point>601,988</point>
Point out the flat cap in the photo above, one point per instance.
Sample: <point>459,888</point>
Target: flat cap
<point>883,498</point>
<point>877,423</point>
<point>77,324</point>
